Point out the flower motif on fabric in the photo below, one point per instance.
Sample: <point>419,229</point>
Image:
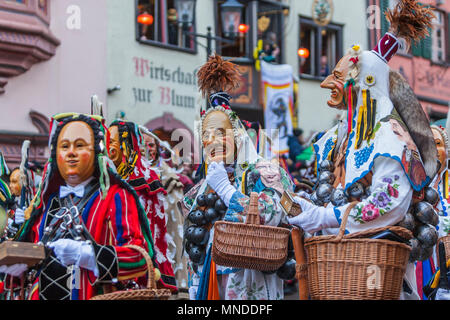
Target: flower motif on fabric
<point>378,204</point>
<point>328,147</point>
<point>381,199</point>
<point>245,291</point>
<point>370,212</point>
<point>362,156</point>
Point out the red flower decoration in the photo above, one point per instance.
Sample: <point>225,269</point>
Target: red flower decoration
<point>392,191</point>
<point>202,113</point>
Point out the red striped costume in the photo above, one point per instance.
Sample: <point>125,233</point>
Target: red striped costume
<point>148,191</point>
<point>114,222</point>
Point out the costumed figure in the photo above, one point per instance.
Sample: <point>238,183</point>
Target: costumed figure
<point>125,152</point>
<point>383,153</point>
<point>439,197</point>
<point>231,170</point>
<point>175,221</point>
<point>85,215</point>
<point>22,185</point>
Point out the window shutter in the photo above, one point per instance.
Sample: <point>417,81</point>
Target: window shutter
<point>426,45</point>
<point>384,23</point>
<point>416,49</point>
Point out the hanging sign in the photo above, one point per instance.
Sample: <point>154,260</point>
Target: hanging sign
<point>322,11</point>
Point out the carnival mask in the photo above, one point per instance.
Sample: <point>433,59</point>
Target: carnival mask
<point>440,145</point>
<point>75,152</point>
<point>152,147</point>
<point>218,138</point>
<point>336,82</point>
<point>270,175</point>
<point>14,183</point>
<point>115,151</point>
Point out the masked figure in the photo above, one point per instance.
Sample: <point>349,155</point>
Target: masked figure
<point>426,269</point>
<point>231,171</point>
<point>86,215</point>
<point>22,184</point>
<point>125,152</point>
<point>384,152</point>
<point>174,188</point>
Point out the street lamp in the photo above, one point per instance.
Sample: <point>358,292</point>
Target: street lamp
<point>185,11</point>
<point>185,16</point>
<point>231,12</point>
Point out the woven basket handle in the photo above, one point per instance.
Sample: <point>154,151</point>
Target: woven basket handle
<point>253,212</point>
<point>344,220</point>
<point>151,283</point>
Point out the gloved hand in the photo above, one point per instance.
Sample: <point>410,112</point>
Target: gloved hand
<point>71,252</point>
<point>19,216</point>
<point>314,218</point>
<point>303,194</point>
<point>14,270</point>
<point>443,294</point>
<point>217,179</point>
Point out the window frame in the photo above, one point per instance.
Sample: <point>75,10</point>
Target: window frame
<point>162,45</point>
<point>251,18</point>
<point>337,27</point>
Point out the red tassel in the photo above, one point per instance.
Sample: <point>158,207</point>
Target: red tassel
<point>350,109</point>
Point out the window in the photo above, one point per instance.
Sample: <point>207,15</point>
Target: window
<point>165,30</point>
<point>238,47</point>
<point>324,45</point>
<point>270,29</point>
<point>438,38</point>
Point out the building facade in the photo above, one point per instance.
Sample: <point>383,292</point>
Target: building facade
<point>155,65</point>
<point>426,64</point>
<point>53,59</point>
<point>142,63</point>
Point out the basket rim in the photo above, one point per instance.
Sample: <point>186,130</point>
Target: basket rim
<point>157,293</point>
<point>310,241</point>
<point>251,226</point>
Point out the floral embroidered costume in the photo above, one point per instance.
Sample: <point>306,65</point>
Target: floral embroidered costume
<point>225,139</point>
<point>105,208</point>
<point>136,170</point>
<point>384,152</point>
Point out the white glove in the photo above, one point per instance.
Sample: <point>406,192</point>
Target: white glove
<point>314,218</point>
<point>71,252</point>
<point>19,216</point>
<point>14,270</point>
<point>304,204</point>
<point>443,294</point>
<point>217,178</point>
<point>303,194</point>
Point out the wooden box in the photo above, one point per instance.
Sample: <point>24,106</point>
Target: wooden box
<point>290,207</point>
<point>12,252</point>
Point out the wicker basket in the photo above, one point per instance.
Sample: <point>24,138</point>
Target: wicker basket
<point>446,241</point>
<point>250,245</point>
<point>353,267</point>
<point>151,293</point>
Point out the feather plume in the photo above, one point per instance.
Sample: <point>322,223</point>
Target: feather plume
<point>410,20</point>
<point>218,75</point>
